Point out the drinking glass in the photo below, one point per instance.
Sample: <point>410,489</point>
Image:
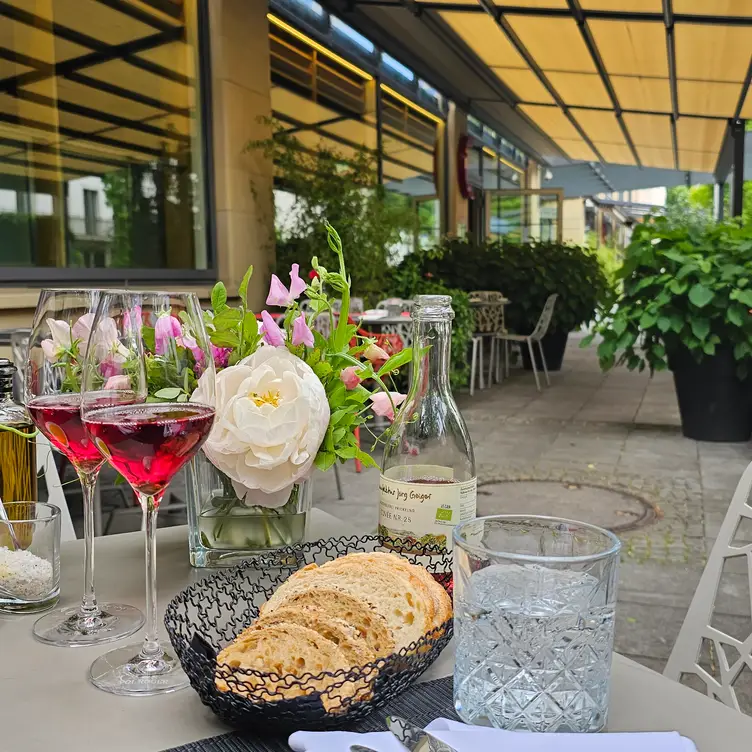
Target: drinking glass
<point>139,408</point>
<point>534,602</point>
<point>59,340</point>
<point>29,557</point>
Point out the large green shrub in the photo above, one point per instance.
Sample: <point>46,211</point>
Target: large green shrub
<point>527,273</point>
<point>684,287</point>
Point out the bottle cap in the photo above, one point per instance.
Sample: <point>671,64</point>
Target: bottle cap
<point>433,308</point>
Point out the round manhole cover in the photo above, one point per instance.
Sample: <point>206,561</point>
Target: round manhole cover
<point>605,507</point>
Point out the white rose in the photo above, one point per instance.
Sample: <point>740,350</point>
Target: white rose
<point>272,414</point>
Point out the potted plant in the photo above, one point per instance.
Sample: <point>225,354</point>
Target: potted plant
<point>529,272</point>
<point>685,305</point>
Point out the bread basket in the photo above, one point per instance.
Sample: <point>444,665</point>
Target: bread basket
<point>205,617</point>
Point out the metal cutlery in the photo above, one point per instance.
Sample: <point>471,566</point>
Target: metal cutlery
<point>415,738</point>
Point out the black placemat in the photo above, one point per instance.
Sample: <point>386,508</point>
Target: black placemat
<point>422,703</point>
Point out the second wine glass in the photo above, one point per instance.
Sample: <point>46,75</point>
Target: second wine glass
<point>147,421</point>
<point>60,338</point>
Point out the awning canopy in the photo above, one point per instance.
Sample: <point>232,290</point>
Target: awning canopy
<point>640,83</point>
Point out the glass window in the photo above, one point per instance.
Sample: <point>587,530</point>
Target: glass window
<point>395,68</point>
<point>100,167</point>
<point>352,36</point>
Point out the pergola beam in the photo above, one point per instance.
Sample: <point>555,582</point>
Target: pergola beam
<point>505,26</point>
<point>587,36</point>
<point>668,21</point>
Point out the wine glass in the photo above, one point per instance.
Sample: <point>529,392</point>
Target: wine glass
<point>145,418</point>
<point>60,337</point>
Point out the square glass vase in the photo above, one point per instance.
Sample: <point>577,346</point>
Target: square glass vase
<point>223,530</point>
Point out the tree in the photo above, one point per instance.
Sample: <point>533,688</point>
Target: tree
<point>344,189</point>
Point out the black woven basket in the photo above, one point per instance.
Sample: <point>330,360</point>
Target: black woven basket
<point>205,617</point>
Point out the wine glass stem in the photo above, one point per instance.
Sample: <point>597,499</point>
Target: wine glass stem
<point>151,649</point>
<point>89,608</point>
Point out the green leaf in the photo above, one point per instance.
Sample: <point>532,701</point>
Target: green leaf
<point>700,328</point>
<point>365,458</point>
<point>619,325</point>
<point>648,320</point>
<point>228,318</point>
<point>324,460</point>
<point>735,315</point>
<point>322,369</point>
<point>224,339</point>
<point>219,297</point>
<point>346,452</point>
<point>700,295</point>
<point>168,393</point>
<point>742,350</point>
<point>678,287</point>
<point>243,288</point>
<point>664,323</point>
<point>587,341</point>
<point>745,297</point>
<point>147,334</point>
<point>685,271</point>
<point>680,258</point>
<point>338,434</point>
<point>396,361</point>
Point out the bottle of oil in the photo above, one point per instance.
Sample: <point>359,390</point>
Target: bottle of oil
<point>18,459</point>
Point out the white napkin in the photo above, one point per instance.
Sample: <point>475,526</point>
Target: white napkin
<point>482,739</point>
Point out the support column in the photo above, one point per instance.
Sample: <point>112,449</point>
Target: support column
<point>718,201</point>
<point>737,176</point>
<point>241,100</point>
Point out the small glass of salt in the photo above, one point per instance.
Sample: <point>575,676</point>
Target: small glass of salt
<point>29,572</point>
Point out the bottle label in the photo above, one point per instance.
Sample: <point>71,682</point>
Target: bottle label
<point>424,513</point>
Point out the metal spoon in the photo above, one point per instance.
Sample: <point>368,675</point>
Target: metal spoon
<point>4,518</point>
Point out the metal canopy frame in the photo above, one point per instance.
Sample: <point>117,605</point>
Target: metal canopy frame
<point>430,12</point>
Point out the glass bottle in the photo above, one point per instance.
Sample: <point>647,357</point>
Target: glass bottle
<point>428,482</point>
<point>18,457</point>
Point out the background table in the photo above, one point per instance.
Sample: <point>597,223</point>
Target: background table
<point>46,702</point>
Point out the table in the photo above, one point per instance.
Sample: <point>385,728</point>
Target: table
<point>46,703</point>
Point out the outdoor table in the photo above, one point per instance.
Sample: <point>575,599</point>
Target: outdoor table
<point>47,703</point>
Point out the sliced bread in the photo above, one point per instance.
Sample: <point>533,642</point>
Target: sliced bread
<point>281,650</point>
<point>441,602</point>
<point>406,609</point>
<point>358,613</point>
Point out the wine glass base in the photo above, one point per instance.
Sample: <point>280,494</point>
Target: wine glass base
<point>65,628</point>
<point>122,671</point>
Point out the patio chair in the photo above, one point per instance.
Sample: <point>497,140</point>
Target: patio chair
<point>704,653</point>
<point>488,311</point>
<point>541,328</point>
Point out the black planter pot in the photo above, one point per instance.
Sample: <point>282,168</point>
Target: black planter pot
<point>554,344</point>
<point>713,401</point>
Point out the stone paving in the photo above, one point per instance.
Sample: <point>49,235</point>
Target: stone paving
<point>617,431</point>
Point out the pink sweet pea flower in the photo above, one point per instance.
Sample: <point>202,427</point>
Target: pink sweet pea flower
<point>189,343</point>
<point>376,354</point>
<point>381,404</point>
<point>167,328</point>
<point>350,377</point>
<point>301,333</point>
<point>111,365</point>
<point>221,356</point>
<point>81,331</point>
<point>273,335</point>
<point>118,382</point>
<point>279,295</point>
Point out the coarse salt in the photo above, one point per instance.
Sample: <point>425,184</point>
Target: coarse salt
<point>24,574</point>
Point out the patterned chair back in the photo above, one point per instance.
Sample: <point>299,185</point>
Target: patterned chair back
<point>488,310</point>
<point>545,318</point>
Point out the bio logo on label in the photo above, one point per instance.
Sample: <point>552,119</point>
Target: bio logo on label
<point>444,515</point>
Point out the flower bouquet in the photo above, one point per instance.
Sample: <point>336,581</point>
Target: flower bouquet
<point>288,400</point>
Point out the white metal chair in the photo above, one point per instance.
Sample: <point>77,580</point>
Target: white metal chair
<point>704,654</point>
<point>541,328</point>
<point>476,363</point>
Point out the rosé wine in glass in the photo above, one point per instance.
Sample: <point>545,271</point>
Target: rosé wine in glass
<point>58,417</point>
<point>149,443</point>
